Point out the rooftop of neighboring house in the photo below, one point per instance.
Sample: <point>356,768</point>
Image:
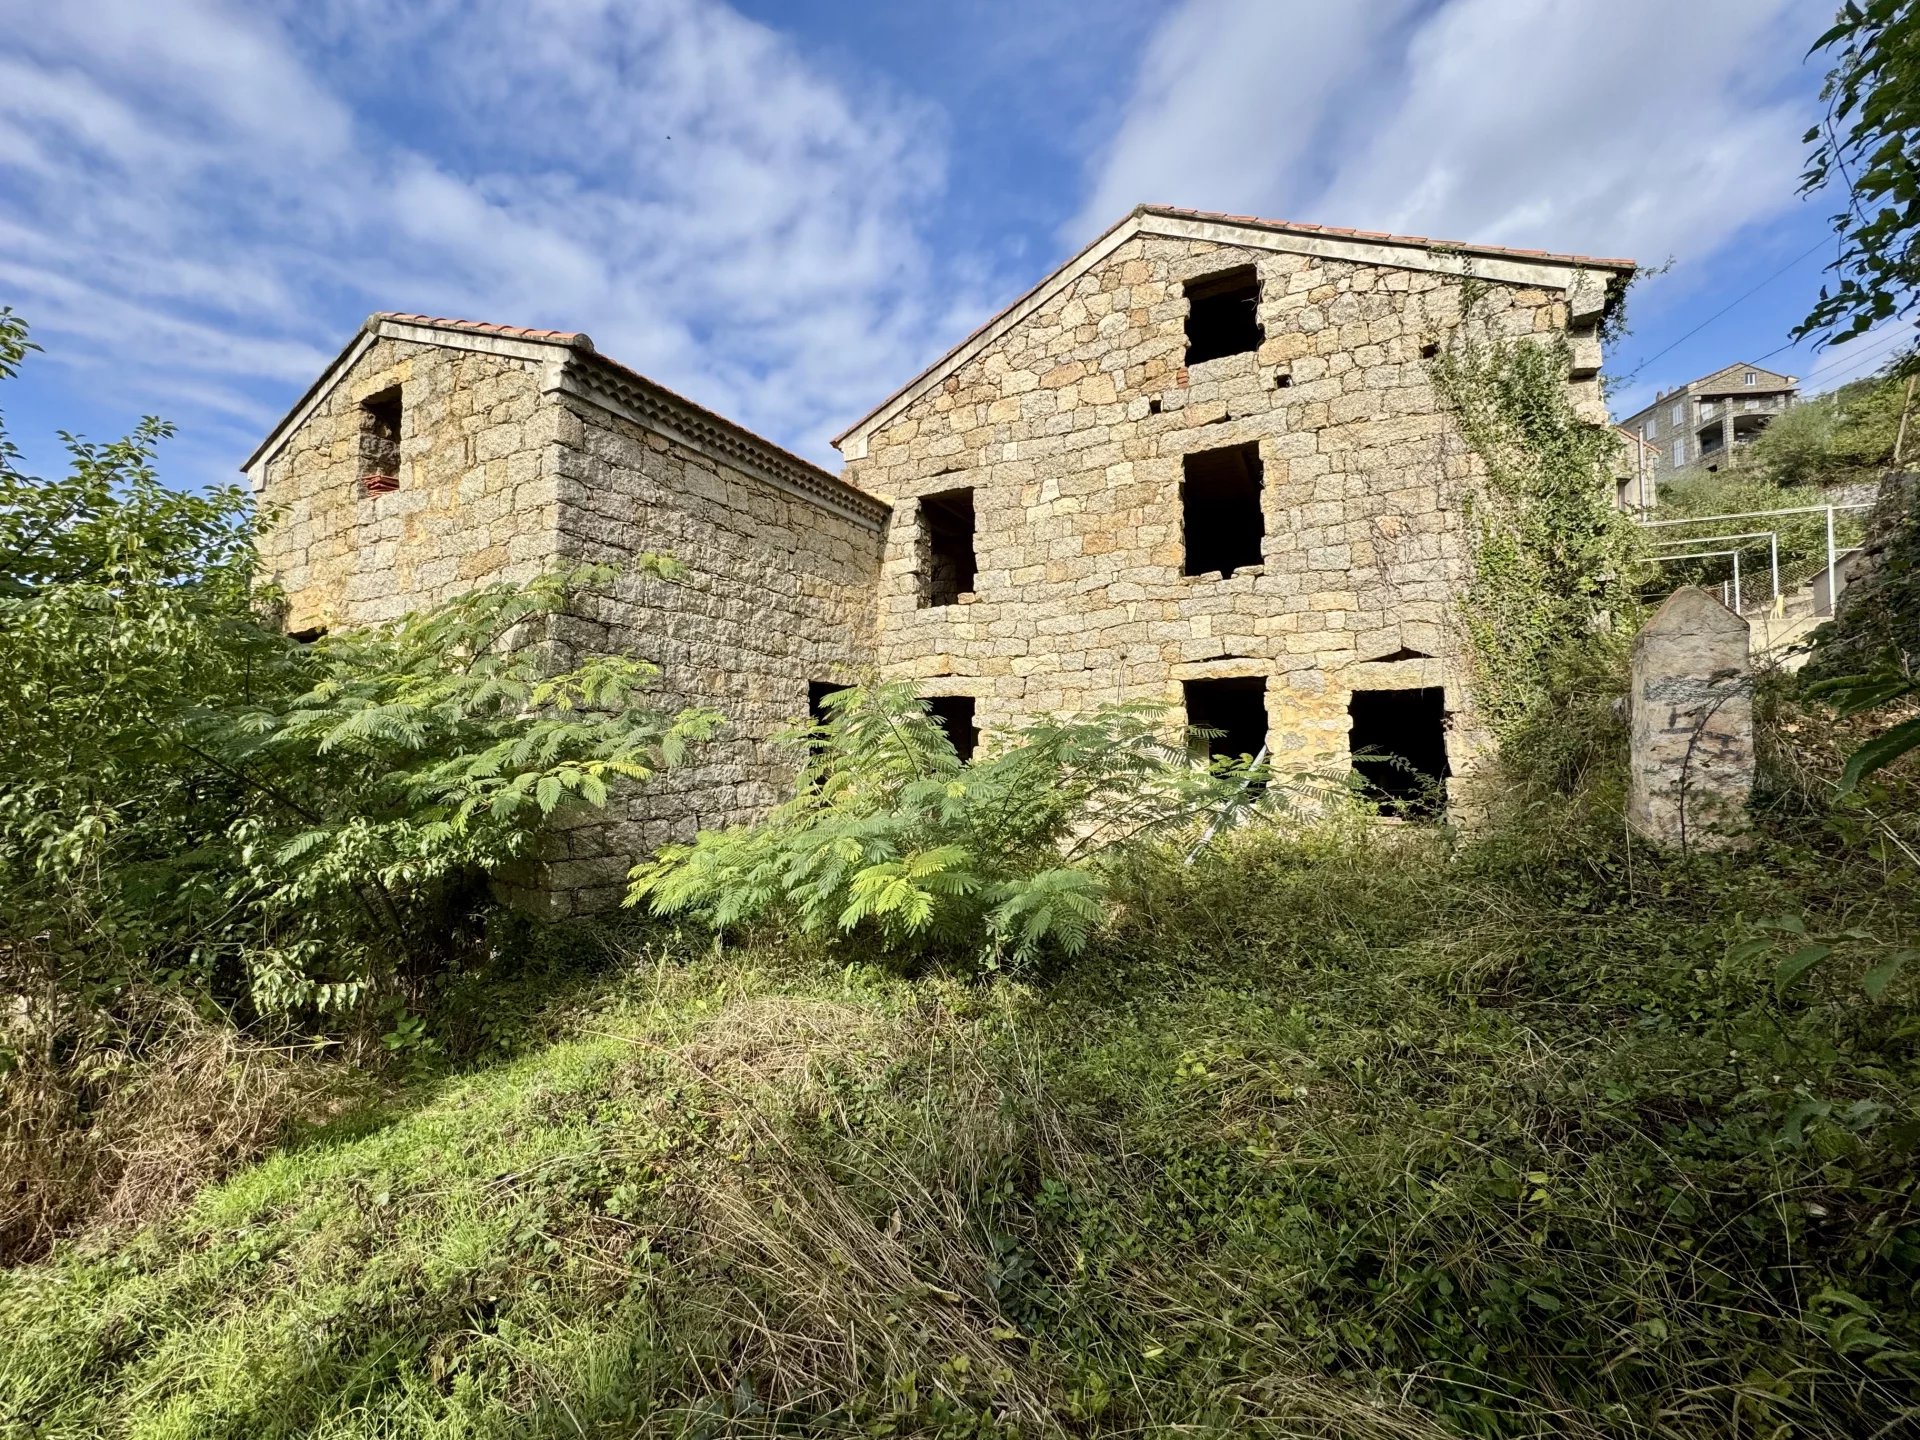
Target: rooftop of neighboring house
<point>1742,377</point>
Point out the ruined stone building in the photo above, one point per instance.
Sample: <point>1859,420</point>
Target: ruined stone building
<point>1200,463</point>
<point>1706,422</point>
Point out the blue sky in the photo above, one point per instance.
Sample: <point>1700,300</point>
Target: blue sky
<point>784,208</point>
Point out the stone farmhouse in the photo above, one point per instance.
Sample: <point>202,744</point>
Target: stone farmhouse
<point>1707,422</point>
<point>1200,463</point>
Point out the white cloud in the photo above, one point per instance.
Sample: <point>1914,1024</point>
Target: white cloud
<point>206,197</point>
<point>1631,127</point>
<point>1235,102</point>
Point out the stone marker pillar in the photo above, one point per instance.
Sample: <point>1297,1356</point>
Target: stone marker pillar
<point>1691,709</point>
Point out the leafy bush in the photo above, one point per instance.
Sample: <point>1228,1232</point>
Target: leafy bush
<point>1549,551</point>
<point>1839,438</point>
<point>188,798</point>
<point>890,839</point>
<point>193,806</point>
<point>1344,1131</point>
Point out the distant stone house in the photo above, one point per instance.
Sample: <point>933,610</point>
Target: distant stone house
<point>1706,422</point>
<point>1201,463</point>
<point>1636,471</point>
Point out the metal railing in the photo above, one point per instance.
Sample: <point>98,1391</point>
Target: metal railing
<point>1834,550</point>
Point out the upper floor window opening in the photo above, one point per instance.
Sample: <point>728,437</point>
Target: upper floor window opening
<point>1749,378</point>
<point>1221,521</point>
<point>380,442</point>
<point>1223,314</point>
<point>947,565</point>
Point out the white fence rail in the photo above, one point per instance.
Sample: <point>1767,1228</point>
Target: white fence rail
<point>1731,591</point>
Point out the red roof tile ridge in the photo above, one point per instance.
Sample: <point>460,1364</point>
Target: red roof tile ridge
<point>574,338</point>
<point>1306,227</point>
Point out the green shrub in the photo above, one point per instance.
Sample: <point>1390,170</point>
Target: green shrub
<point>1340,1132</point>
<point>198,815</point>
<point>890,840</point>
<point>190,799</point>
<point>1839,438</point>
<point>1549,550</point>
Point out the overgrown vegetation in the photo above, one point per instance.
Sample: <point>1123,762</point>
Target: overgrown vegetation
<point>1321,1128</point>
<point>1798,542</point>
<point>1549,552</point>
<point>891,842</point>
<point>199,816</point>
<point>1328,1133</point>
<point>1844,437</point>
<point>1868,145</point>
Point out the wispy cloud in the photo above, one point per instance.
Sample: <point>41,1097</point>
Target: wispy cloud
<point>213,194</point>
<point>1637,127</point>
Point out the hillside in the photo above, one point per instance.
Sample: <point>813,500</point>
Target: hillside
<point>1340,1132</point>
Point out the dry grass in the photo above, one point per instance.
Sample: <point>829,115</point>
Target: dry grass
<point>848,1262</point>
<point>111,1125</point>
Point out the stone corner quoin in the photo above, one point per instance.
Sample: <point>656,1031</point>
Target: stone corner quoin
<point>1201,464</point>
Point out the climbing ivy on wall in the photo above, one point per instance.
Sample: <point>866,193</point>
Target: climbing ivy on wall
<point>1549,552</point>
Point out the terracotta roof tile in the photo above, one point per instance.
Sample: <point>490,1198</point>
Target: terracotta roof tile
<point>573,338</point>
<point>1301,227</point>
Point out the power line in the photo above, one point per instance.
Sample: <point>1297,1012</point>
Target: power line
<point>1634,373</point>
<point>1892,342</point>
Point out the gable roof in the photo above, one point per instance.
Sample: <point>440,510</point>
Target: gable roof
<point>575,366</point>
<point>1495,262</point>
<point>1764,378</point>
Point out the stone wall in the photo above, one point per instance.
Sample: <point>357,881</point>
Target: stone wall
<point>780,594</point>
<point>1072,427</point>
<point>476,494</point>
<point>513,458</point>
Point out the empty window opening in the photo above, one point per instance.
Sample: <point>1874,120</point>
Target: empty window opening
<point>1220,509</point>
<point>1234,709</point>
<point>1153,407</point>
<point>1223,315</point>
<point>954,714</point>
<point>817,693</point>
<point>1399,745</point>
<point>308,636</point>
<point>946,535</point>
<point>380,442</point>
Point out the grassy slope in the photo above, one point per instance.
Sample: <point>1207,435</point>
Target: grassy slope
<point>1328,1139</point>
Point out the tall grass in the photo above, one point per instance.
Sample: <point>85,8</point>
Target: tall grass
<point>1346,1132</point>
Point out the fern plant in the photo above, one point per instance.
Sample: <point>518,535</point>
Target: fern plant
<point>416,757</point>
<point>890,841</point>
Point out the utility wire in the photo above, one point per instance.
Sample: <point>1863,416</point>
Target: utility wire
<point>1892,342</point>
<point>1634,373</point>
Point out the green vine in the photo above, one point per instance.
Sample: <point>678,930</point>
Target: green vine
<point>1548,550</point>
